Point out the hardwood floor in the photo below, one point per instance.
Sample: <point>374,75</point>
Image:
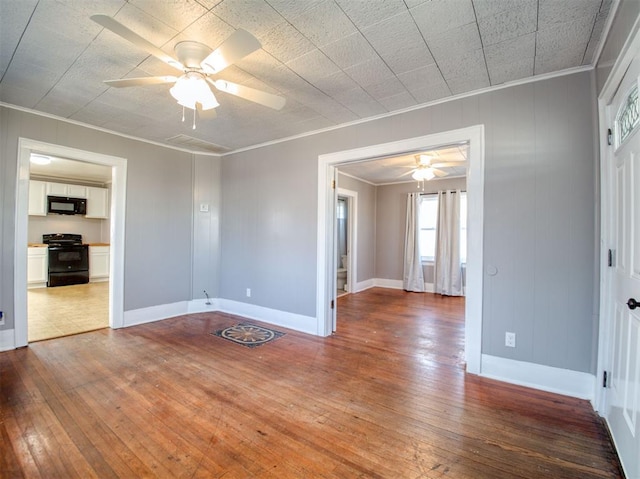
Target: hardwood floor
<point>385,397</point>
<point>65,310</point>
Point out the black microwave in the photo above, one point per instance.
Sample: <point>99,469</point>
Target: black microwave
<point>62,205</point>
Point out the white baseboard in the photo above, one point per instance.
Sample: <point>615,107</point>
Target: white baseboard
<point>363,285</point>
<point>387,283</point>
<point>547,378</point>
<point>297,322</point>
<point>154,313</point>
<point>7,340</point>
<point>201,306</point>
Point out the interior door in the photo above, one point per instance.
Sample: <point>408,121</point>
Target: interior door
<point>623,395</point>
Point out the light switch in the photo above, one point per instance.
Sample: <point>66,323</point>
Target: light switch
<point>204,207</point>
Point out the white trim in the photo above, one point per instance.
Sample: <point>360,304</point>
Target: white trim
<point>475,193</point>
<point>364,285</point>
<point>117,215</point>
<point>522,81</point>
<point>134,317</point>
<point>104,130</point>
<point>546,378</point>
<point>200,306</point>
<point>613,10</point>
<point>297,322</point>
<point>389,284</point>
<point>609,89</point>
<point>7,339</point>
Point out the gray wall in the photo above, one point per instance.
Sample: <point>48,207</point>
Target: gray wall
<point>366,247</point>
<point>391,218</point>
<point>540,209</point>
<point>159,248</point>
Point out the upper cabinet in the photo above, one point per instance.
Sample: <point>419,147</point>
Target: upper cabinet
<point>61,189</point>
<point>97,198</point>
<point>37,198</point>
<point>97,202</point>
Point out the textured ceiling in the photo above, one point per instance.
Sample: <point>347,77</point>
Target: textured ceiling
<point>335,61</point>
<point>451,160</point>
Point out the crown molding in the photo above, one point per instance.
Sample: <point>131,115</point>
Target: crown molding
<point>523,81</point>
<point>103,130</point>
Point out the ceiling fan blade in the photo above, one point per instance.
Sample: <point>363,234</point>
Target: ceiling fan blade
<point>444,164</point>
<point>439,173</point>
<point>263,98</point>
<point>206,114</point>
<point>126,82</point>
<point>239,44</point>
<point>119,29</point>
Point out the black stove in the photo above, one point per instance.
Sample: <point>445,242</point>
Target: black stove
<point>68,259</point>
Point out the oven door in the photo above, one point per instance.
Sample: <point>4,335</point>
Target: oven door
<point>68,265</point>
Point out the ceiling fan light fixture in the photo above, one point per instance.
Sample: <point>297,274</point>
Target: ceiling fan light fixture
<point>422,174</point>
<point>423,159</point>
<point>192,88</point>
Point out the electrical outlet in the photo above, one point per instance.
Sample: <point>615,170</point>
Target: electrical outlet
<point>248,292</point>
<point>510,339</point>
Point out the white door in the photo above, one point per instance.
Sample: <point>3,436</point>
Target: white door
<point>623,171</point>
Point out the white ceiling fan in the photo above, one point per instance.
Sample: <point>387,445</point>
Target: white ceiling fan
<point>197,62</point>
<point>428,167</point>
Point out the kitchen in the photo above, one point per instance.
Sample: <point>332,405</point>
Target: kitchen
<point>68,247</point>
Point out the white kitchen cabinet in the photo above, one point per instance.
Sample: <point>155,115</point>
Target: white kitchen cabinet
<point>63,189</point>
<point>97,202</point>
<point>37,267</point>
<point>37,198</point>
<point>98,263</point>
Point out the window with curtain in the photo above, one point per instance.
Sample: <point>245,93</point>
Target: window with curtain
<point>428,221</point>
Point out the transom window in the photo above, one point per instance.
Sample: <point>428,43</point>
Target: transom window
<point>628,116</point>
<point>428,226</point>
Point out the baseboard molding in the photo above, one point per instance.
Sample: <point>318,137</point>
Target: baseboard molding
<point>135,317</point>
<point>201,306</point>
<point>546,378</point>
<point>7,340</point>
<point>364,285</point>
<point>297,322</point>
<point>387,283</point>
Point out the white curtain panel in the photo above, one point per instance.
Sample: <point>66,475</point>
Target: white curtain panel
<point>448,268</point>
<point>413,278</point>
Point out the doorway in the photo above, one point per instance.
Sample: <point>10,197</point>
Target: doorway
<point>327,197</point>
<point>68,254</point>
<point>116,236</point>
<point>619,344</point>
<point>346,234</point>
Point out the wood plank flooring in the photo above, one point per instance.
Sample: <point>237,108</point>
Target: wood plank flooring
<point>385,397</point>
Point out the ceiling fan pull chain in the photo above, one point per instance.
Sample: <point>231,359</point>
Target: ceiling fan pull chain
<point>183,114</point>
<point>194,117</point>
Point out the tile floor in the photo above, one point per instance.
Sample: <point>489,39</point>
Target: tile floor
<point>65,310</point>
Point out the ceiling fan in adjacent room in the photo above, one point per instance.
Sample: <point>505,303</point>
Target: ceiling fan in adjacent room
<point>197,62</point>
<point>429,165</point>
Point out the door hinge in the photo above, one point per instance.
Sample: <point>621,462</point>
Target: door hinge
<point>333,184</point>
<point>610,258</point>
<point>332,304</point>
<point>609,137</point>
<point>605,379</point>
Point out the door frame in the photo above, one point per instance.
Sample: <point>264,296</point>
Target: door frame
<point>117,231</point>
<point>327,163</point>
<point>626,56</point>
<point>352,235</point>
